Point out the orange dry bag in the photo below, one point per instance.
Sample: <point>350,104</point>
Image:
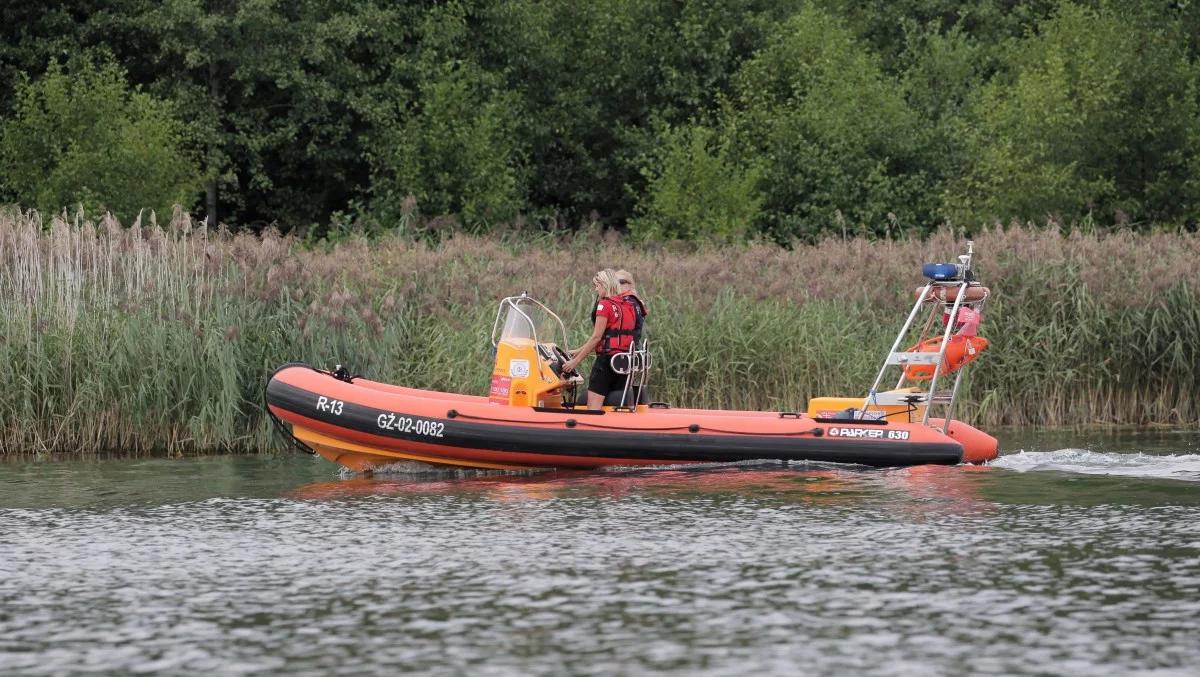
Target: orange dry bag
<point>962,349</point>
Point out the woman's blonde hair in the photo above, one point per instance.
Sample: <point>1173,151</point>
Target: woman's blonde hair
<point>624,277</point>
<point>608,281</point>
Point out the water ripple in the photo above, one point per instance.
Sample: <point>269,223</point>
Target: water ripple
<point>724,571</point>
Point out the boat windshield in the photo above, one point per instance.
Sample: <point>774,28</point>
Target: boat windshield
<point>527,319</point>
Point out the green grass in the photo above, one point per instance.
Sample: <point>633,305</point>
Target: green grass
<point>141,338</point>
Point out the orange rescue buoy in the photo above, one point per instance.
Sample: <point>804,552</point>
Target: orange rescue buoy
<point>946,293</point>
<point>960,351</point>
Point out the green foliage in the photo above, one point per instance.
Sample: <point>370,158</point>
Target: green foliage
<point>833,131</point>
<point>286,95</point>
<point>80,135</point>
<point>1099,116</point>
<point>594,77</point>
<point>697,191</point>
<point>587,74</point>
<point>456,155</point>
<point>874,117</point>
<point>455,148</point>
<point>888,25</point>
<point>940,70</point>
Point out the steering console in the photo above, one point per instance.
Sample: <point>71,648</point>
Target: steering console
<point>557,359</point>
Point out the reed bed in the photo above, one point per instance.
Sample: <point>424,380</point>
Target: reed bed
<point>150,337</point>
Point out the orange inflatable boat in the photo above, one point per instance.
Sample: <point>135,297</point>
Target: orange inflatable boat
<point>530,418</point>
<point>362,424</point>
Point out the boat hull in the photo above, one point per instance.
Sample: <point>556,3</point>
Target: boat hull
<point>364,424</point>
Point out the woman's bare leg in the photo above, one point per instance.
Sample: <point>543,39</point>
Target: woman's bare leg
<point>595,400</point>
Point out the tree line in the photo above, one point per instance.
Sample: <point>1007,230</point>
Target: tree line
<point>699,119</point>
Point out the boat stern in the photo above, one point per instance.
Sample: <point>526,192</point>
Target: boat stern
<point>978,446</point>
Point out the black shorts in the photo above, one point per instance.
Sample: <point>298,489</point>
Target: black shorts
<point>603,379</point>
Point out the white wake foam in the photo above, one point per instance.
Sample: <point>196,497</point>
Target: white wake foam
<point>1084,461</point>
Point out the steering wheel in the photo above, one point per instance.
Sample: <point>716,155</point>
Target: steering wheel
<point>563,358</point>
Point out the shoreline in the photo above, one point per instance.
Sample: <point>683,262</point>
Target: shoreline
<point>146,337</point>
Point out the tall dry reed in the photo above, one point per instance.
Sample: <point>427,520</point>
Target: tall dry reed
<point>149,337</point>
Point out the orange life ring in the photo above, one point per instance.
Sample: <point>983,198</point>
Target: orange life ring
<point>962,349</point>
<point>946,293</point>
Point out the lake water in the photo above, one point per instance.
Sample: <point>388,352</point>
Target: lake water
<point>1073,553</point>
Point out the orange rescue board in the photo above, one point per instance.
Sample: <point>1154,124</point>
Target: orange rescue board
<point>960,351</point>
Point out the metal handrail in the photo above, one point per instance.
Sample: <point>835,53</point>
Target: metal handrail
<point>639,368</point>
<point>937,367</point>
<point>895,345</point>
<point>965,260</point>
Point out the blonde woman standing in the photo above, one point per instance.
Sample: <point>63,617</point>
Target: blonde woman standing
<point>612,333</point>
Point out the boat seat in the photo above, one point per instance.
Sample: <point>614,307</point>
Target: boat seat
<point>613,398</point>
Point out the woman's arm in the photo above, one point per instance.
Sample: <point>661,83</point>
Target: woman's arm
<point>588,345</point>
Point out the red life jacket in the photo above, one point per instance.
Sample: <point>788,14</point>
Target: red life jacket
<point>619,332</point>
<point>639,308</point>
